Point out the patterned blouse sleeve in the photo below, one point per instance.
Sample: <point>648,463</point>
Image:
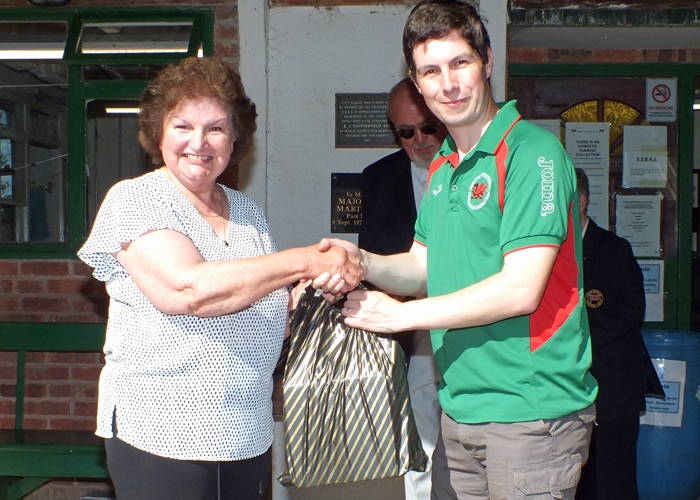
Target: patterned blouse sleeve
<point>129,210</point>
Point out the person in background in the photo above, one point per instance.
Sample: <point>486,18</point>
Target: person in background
<point>497,252</point>
<point>615,301</point>
<point>198,300</point>
<point>392,191</point>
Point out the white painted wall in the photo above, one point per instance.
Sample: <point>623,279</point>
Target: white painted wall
<point>252,30</point>
<point>315,53</point>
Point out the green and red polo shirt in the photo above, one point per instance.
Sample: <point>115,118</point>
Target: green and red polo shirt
<point>516,189</point>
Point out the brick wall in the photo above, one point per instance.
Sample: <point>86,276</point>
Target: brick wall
<point>50,291</point>
<point>60,390</point>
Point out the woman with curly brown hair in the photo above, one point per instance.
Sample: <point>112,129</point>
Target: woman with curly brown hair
<point>198,300</point>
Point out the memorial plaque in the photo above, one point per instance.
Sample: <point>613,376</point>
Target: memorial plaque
<point>361,121</point>
<point>346,203</point>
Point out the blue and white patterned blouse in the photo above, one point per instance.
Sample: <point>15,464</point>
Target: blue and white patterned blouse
<point>184,387</point>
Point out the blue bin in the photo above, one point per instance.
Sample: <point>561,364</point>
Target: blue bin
<point>668,458</point>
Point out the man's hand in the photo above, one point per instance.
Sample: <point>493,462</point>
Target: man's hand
<point>374,312</point>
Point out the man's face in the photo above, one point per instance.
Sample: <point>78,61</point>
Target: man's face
<point>453,80</point>
<point>408,112</point>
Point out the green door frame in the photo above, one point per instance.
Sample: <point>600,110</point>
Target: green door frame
<point>79,94</point>
<point>677,275</point>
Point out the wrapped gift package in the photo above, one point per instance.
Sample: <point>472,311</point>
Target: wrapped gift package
<point>347,412</point>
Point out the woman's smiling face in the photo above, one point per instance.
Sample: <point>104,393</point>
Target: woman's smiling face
<point>197,142</point>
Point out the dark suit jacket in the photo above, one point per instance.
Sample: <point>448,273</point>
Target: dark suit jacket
<point>388,207</point>
<point>614,291</point>
<point>389,213</point>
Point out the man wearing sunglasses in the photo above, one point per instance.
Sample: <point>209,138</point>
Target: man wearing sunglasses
<point>392,190</point>
<point>393,187</point>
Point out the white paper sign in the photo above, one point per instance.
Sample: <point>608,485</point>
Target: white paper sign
<point>639,222</point>
<point>667,412</point>
<point>645,157</point>
<point>662,99</point>
<point>553,126</point>
<point>653,272</point>
<point>588,145</point>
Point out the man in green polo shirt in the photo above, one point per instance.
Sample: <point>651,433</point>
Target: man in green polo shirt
<point>497,252</point>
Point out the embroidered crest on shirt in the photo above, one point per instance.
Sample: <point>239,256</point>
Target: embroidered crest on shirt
<point>594,299</point>
<point>479,191</point>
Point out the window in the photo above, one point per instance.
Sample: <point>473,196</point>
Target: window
<point>60,151</point>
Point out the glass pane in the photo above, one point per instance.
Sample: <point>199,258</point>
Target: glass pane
<point>138,72</point>
<point>113,149</point>
<point>6,169</point>
<point>32,40</point>
<point>695,263</point>
<point>46,196</point>
<point>43,124</point>
<point>13,178</point>
<point>135,38</point>
<point>9,115</point>
<point>8,230</point>
<point>33,143</point>
<point>618,102</point>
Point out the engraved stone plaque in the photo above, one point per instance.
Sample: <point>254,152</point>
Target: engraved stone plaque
<point>361,121</point>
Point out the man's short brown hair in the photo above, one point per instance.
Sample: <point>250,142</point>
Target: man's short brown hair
<point>435,19</point>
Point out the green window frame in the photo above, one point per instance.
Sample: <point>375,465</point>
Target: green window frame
<point>80,91</point>
<point>677,269</point>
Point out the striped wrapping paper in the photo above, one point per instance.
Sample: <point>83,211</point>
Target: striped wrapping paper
<point>347,412</point>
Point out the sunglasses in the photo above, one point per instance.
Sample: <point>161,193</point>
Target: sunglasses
<point>408,132</point>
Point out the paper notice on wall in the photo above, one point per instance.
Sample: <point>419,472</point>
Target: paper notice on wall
<point>588,145</point>
<point>639,222</point>
<point>553,126</point>
<point>645,157</point>
<point>653,272</point>
<point>667,412</point>
<point>662,99</point>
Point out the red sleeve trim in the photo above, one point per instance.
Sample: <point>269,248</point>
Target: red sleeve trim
<point>532,246</point>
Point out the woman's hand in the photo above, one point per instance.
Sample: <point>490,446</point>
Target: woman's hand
<point>334,285</point>
<point>341,270</point>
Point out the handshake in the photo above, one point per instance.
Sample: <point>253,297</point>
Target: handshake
<point>335,266</point>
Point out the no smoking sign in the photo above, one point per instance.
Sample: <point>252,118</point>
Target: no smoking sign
<point>661,93</point>
<point>661,102</point>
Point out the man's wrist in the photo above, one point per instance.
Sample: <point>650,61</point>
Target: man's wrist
<point>365,263</point>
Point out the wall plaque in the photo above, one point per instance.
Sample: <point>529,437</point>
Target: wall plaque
<point>361,121</point>
<point>346,203</point>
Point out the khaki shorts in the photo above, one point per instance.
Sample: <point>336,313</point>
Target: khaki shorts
<point>537,460</point>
